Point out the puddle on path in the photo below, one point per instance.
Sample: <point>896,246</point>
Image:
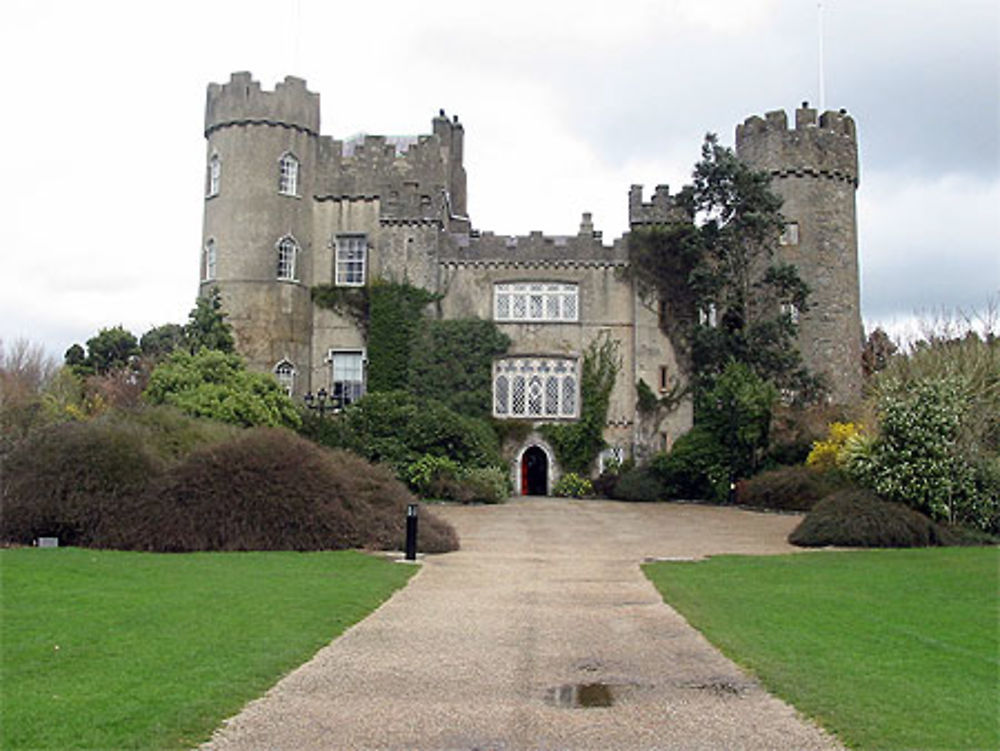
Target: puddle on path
<point>581,695</point>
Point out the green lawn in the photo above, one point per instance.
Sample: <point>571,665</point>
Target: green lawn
<point>889,649</point>
<point>105,649</point>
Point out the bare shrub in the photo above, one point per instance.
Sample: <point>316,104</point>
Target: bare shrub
<point>859,518</point>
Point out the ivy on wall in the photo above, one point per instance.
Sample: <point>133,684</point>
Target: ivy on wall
<point>577,444</point>
<point>395,321</point>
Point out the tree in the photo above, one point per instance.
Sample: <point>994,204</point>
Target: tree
<point>879,349</point>
<point>725,295</point>
<point>110,349</point>
<point>217,385</point>
<point>207,327</point>
<point>160,341</point>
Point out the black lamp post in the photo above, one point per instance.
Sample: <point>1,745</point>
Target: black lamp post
<point>321,402</point>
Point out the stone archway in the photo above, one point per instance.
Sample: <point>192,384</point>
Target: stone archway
<point>534,471</point>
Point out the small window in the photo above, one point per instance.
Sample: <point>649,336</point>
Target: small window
<point>708,316</point>
<point>288,251</point>
<point>790,234</point>
<point>208,265</point>
<point>350,263</point>
<point>664,378</point>
<point>288,175</point>
<point>214,176</point>
<point>347,377</point>
<point>284,371</point>
<point>791,311</point>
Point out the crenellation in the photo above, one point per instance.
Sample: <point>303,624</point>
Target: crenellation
<point>243,102</point>
<point>661,209</point>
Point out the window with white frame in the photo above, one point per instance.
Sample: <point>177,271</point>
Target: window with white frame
<point>288,175</point>
<point>208,267</point>
<point>351,251</point>
<point>527,387</point>
<point>789,234</point>
<point>214,176</point>
<point>288,251</point>
<point>536,301</point>
<point>348,376</point>
<point>708,316</point>
<point>284,371</point>
<point>790,311</point>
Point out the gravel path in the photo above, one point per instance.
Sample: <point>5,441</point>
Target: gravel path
<point>486,648</point>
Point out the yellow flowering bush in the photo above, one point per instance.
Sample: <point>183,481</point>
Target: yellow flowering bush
<point>829,454</point>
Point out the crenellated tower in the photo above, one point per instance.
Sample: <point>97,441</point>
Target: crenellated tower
<point>814,168</point>
<point>257,238</point>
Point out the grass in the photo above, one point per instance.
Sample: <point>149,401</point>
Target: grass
<point>887,649</point>
<point>108,649</point>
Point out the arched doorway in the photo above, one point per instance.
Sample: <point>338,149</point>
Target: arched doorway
<point>534,472</point>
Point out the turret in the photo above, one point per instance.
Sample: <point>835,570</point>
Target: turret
<point>814,168</point>
<point>257,237</point>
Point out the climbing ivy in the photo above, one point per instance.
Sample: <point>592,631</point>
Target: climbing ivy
<point>577,444</point>
<point>395,321</point>
<point>351,302</point>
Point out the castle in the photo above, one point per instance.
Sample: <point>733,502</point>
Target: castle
<point>287,208</point>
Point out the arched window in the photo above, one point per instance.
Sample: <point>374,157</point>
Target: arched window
<point>208,267</point>
<point>288,251</point>
<point>535,387</point>
<point>214,176</point>
<point>284,371</point>
<point>288,175</point>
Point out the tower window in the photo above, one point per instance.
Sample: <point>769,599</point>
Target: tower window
<point>288,251</point>
<point>284,371</point>
<point>214,176</point>
<point>350,262</point>
<point>208,265</point>
<point>664,378</point>
<point>790,234</point>
<point>535,387</point>
<point>288,175</point>
<point>708,316</point>
<point>790,311</point>
<point>347,369</point>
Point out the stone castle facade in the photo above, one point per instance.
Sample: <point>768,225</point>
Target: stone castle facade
<point>287,208</point>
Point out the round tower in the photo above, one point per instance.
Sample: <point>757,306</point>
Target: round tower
<point>257,243</point>
<point>814,168</point>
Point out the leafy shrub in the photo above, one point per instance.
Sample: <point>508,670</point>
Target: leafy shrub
<point>217,385</point>
<point>74,481</point>
<point>827,455</point>
<point>785,489</point>
<point>640,483</point>
<point>483,485</point>
<point>429,474</point>
<point>441,478</point>
<point>606,482</point>
<point>571,485</point>
<point>695,468</point>
<point>859,518</point>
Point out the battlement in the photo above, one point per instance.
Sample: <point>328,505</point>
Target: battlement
<point>662,208</point>
<point>823,146</point>
<point>242,102</point>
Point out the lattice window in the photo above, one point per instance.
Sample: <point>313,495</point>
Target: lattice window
<point>214,176</point>
<point>535,301</point>
<point>288,251</point>
<point>531,387</point>
<point>288,175</point>
<point>284,371</point>
<point>208,272</point>
<point>347,370</point>
<point>352,251</point>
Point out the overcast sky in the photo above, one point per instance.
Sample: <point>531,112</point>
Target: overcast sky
<point>565,104</point>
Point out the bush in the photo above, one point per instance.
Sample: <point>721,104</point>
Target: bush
<point>695,468</point>
<point>113,482</point>
<point>571,485</point>
<point>606,482</point>
<point>483,485</point>
<point>74,481</point>
<point>640,483</point>
<point>860,519</point>
<point>441,478</point>
<point>785,489</point>
<point>828,455</point>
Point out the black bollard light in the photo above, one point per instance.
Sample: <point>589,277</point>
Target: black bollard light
<point>411,532</point>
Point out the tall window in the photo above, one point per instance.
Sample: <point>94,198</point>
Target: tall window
<point>284,371</point>
<point>789,234</point>
<point>535,301</point>
<point>214,176</point>
<point>288,250</point>
<point>535,387</point>
<point>288,175</point>
<point>208,268</point>
<point>348,382</point>
<point>350,262</point>
<point>790,311</point>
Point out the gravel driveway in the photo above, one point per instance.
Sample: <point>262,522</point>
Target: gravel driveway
<point>510,643</point>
